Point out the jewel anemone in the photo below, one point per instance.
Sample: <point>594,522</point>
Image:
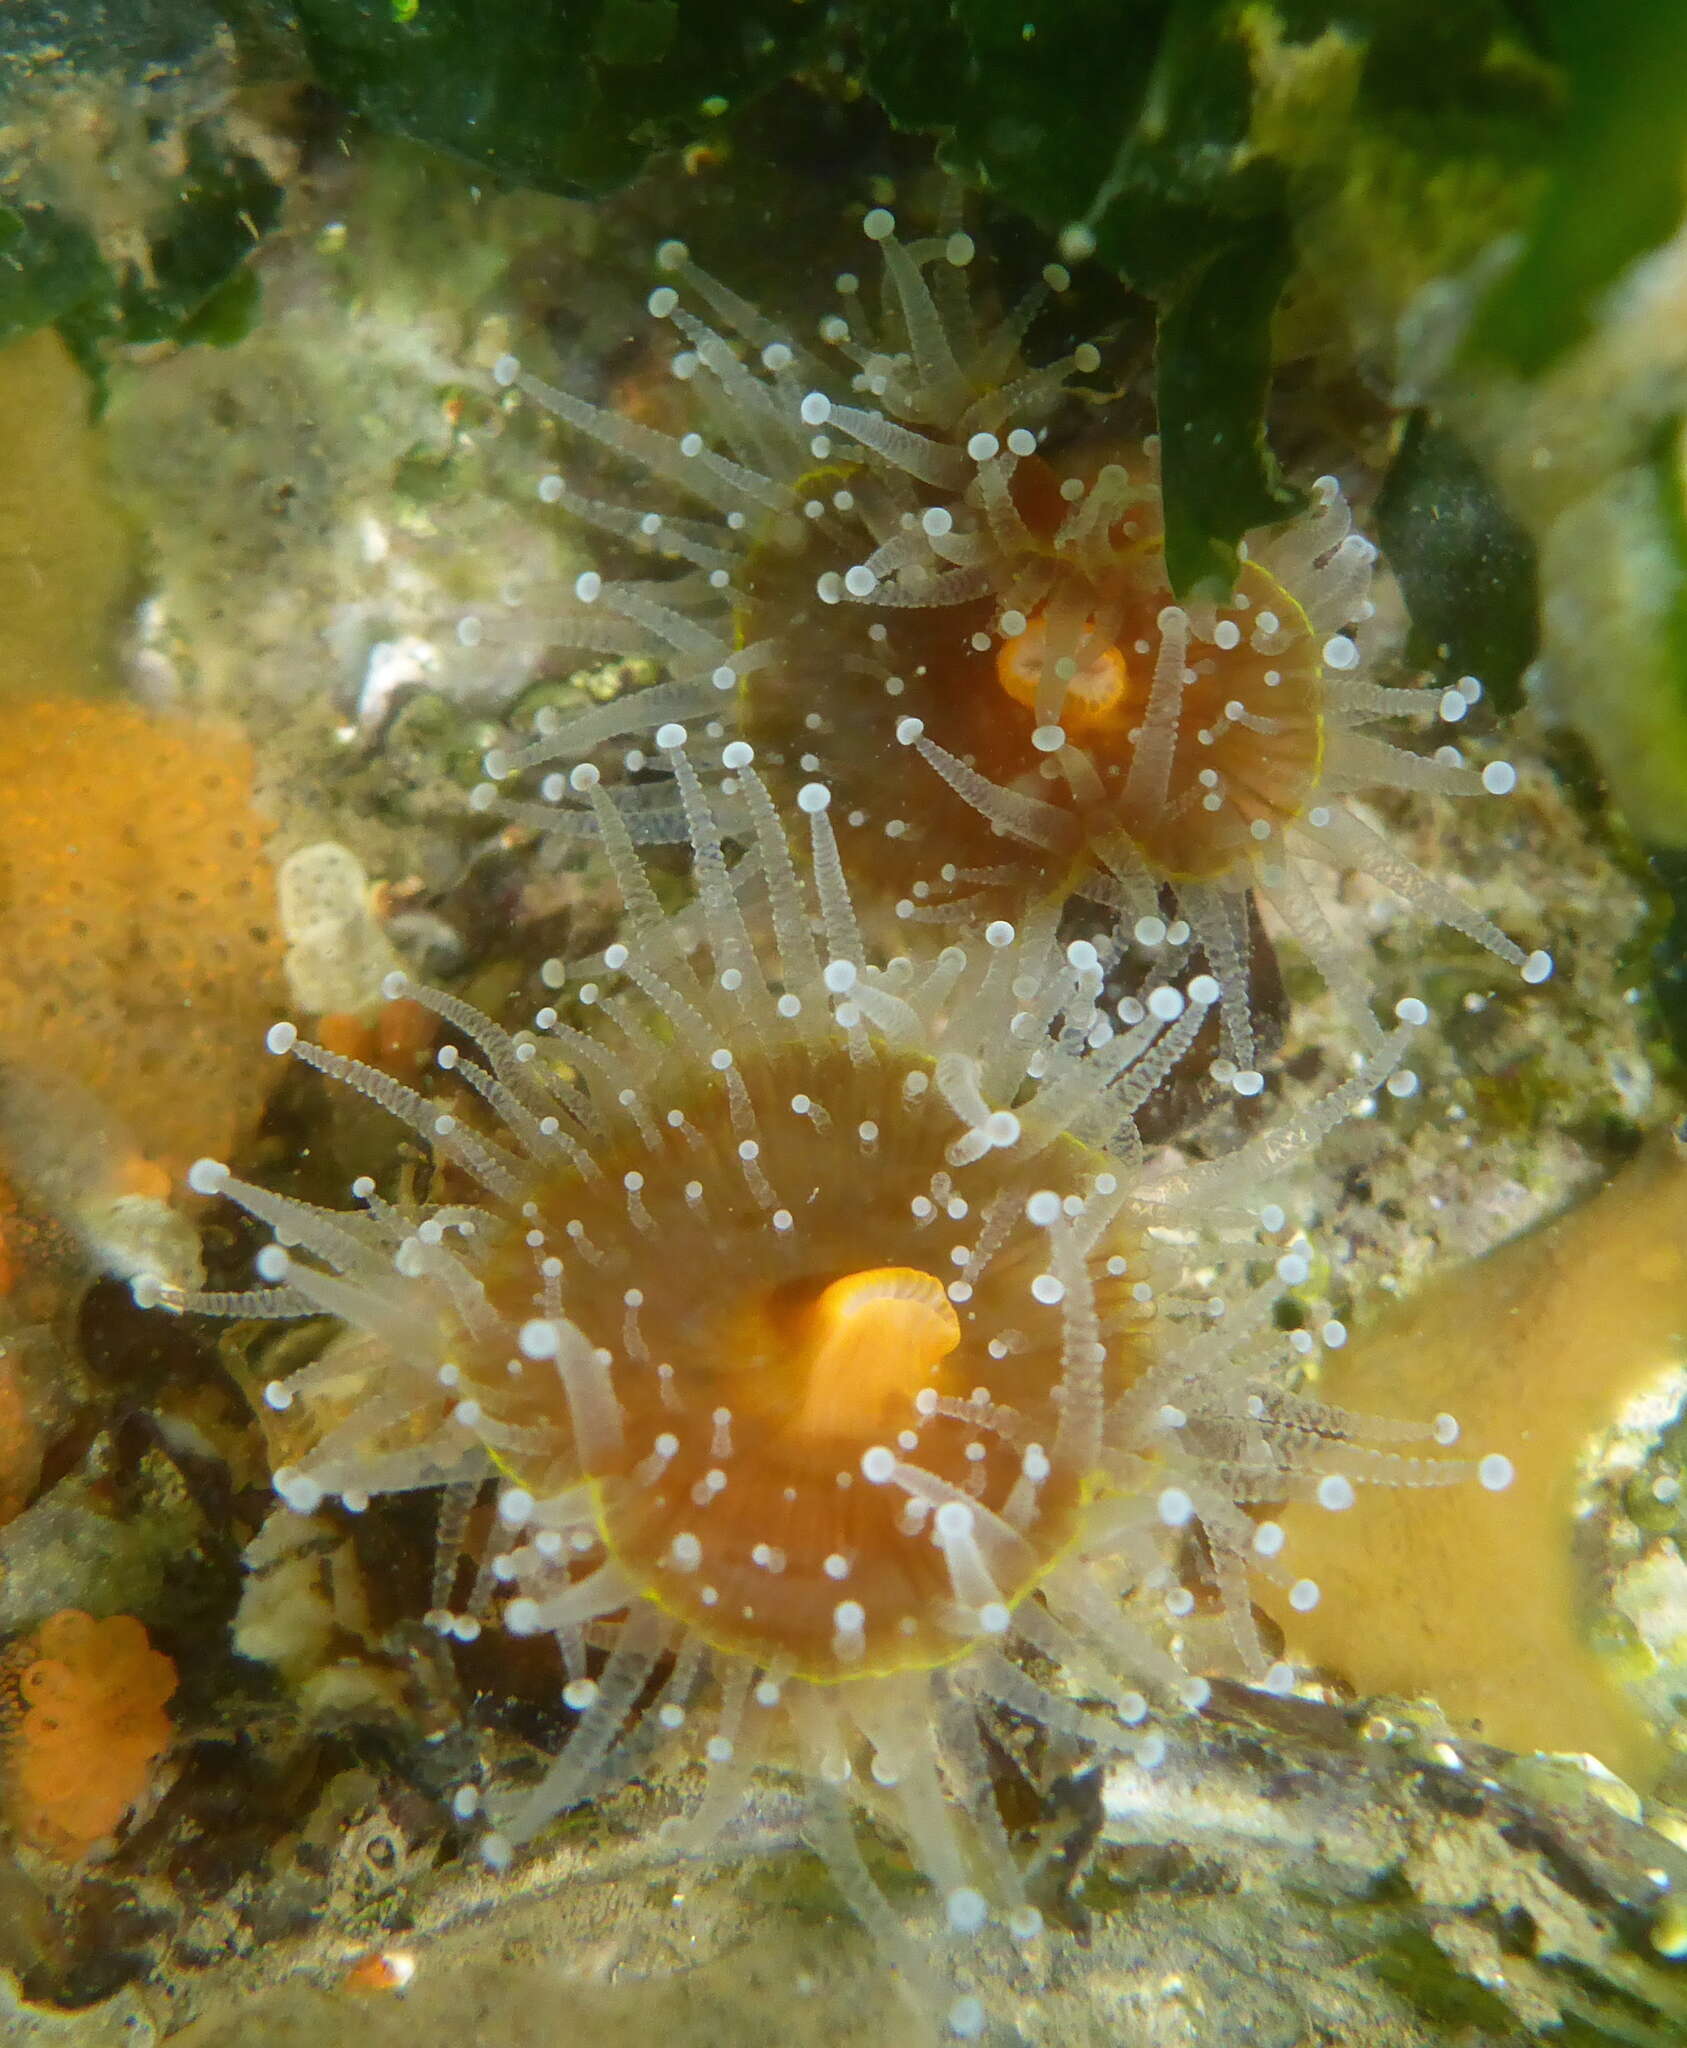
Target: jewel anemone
<point>828,1350</point>
<point>886,556</point>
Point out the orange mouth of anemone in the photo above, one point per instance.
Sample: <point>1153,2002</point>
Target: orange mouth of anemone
<point>1101,689</point>
<point>1253,715</point>
<point>870,1342</point>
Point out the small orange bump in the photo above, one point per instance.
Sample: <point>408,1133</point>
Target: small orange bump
<point>344,1032</point>
<point>875,1340</point>
<point>650,395</point>
<point>387,1969</point>
<point>404,1034</point>
<point>137,1176</point>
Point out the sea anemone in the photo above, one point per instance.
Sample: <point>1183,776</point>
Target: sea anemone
<point>831,1352</point>
<point>908,561</point>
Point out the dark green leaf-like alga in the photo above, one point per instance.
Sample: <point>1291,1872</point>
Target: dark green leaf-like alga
<point>568,96</point>
<point>1466,566</point>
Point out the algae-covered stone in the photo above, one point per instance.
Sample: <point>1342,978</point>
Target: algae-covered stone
<point>71,1549</point>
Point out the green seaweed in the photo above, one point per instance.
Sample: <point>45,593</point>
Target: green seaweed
<point>1615,189</point>
<point>1220,478</point>
<point>1409,1963</point>
<point>569,96</point>
<point>1669,957</point>
<point>1659,703</point>
<point>1467,568</point>
<point>50,268</point>
<point>224,205</point>
<point>192,285</point>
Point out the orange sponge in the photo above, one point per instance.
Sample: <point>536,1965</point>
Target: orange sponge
<point>88,1724</point>
<point>142,958</point>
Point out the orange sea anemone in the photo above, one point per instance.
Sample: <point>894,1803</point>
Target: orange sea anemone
<point>907,561</point>
<point>830,1352</point>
